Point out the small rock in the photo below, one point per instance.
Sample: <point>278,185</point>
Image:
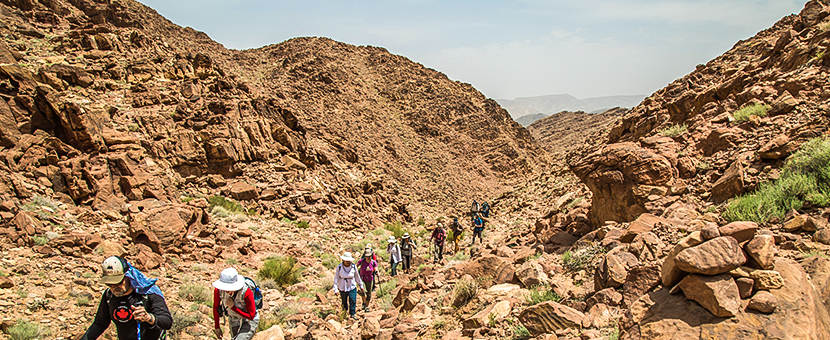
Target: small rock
<point>716,256</point>
<point>764,302</point>
<point>6,282</point>
<point>741,230</point>
<point>822,236</point>
<point>718,294</point>
<point>762,249</point>
<point>709,231</point>
<point>745,286</point>
<point>548,317</point>
<point>767,279</point>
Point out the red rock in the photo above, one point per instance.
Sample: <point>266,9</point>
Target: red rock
<point>745,286</point>
<point>643,224</point>
<point>767,279</point>
<point>6,283</point>
<point>28,224</point>
<point>709,231</point>
<point>607,296</point>
<point>741,231</point>
<point>647,247</point>
<point>242,191</point>
<point>640,280</point>
<point>762,249</point>
<point>729,185</point>
<point>718,294</point>
<point>800,222</point>
<point>613,270</point>
<point>548,317</point>
<point>531,274</point>
<point>716,256</point>
<point>670,273</point>
<point>822,236</point>
<point>764,302</point>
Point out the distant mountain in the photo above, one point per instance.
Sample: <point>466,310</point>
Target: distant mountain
<point>526,120</point>
<point>555,103</point>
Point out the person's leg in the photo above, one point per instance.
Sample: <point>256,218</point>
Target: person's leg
<point>441,252</point>
<point>234,328</point>
<point>394,266</point>
<point>406,259</point>
<point>352,301</point>
<point>370,286</point>
<point>246,332</point>
<point>344,300</point>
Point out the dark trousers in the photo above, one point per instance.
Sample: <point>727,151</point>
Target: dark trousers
<point>394,267</point>
<point>439,251</point>
<point>369,287</point>
<point>349,300</point>
<point>407,261</point>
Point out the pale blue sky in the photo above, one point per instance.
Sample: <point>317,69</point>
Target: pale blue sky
<point>506,49</point>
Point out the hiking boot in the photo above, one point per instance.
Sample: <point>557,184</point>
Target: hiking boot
<point>366,309</point>
<point>354,317</point>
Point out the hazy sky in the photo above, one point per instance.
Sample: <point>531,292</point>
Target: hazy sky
<point>506,49</point>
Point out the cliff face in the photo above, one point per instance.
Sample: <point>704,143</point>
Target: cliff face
<point>642,166</point>
<point>107,102</point>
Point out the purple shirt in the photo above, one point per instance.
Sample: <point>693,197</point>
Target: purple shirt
<point>367,269</point>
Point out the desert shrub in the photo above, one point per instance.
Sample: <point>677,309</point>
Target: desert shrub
<point>220,212</point>
<point>195,292</point>
<point>266,321</point>
<point>396,228</point>
<point>581,258</point>
<point>743,114</point>
<point>229,206</point>
<point>283,270</point>
<point>40,240</point>
<point>539,294</point>
<point>460,256</point>
<point>674,130</point>
<point>805,178</point>
<point>464,291</point>
<point>421,221</point>
<point>182,321</point>
<point>25,330</point>
<point>520,332</point>
<point>330,260</point>
<point>302,224</point>
<point>231,261</point>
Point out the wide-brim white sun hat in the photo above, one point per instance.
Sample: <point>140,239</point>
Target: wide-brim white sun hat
<point>347,256</point>
<point>229,280</point>
<point>391,239</point>
<point>405,235</point>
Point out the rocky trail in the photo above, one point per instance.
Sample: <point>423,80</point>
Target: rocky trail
<point>124,134</point>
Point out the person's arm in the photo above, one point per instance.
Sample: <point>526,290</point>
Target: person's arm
<point>250,306</point>
<point>101,322</point>
<point>215,308</point>
<point>161,314</point>
<point>336,278</point>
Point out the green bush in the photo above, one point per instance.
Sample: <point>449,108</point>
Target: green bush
<point>302,224</point>
<point>228,205</point>
<point>330,260</point>
<point>25,330</point>
<point>744,113</point>
<point>805,178</point>
<point>195,292</point>
<point>674,130</point>
<point>396,228</point>
<point>520,332</point>
<point>580,258</point>
<point>539,294</point>
<point>283,270</point>
<point>387,287</point>
<point>40,240</point>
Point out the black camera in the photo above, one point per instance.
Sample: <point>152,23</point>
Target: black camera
<point>138,303</point>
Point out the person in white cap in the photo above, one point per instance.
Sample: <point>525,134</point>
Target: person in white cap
<point>233,297</point>
<point>346,283</point>
<point>407,246</point>
<point>134,303</point>
<point>394,251</point>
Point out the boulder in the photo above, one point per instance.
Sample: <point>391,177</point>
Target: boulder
<point>745,285</point>
<point>718,294</point>
<point>242,191</point>
<point>670,274</point>
<point>613,269</point>
<point>643,224</point>
<point>6,283</point>
<point>548,317</point>
<point>822,236</point>
<point>741,230</point>
<point>607,296</point>
<point>762,249</point>
<point>716,256</point>
<point>729,185</point>
<point>163,228</point>
<point>640,280</point>
<point>709,231</point>
<point>273,333</point>
<point>764,302</point>
<point>800,222</point>
<point>498,310</point>
<point>370,328</point>
<point>647,247</point>
<point>406,329</point>
<point>531,274</point>
<point>27,223</point>
<point>767,279</point>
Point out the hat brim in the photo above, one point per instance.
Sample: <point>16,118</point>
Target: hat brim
<point>391,240</point>
<point>112,279</point>
<point>230,287</point>
<point>347,259</point>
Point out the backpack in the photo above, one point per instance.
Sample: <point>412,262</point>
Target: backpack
<point>406,248</point>
<point>440,236</point>
<point>485,209</point>
<point>478,221</point>
<point>476,207</point>
<point>254,287</point>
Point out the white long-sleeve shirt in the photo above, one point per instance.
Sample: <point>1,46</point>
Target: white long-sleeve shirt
<point>394,251</point>
<point>344,278</point>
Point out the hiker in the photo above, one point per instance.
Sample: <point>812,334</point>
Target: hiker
<point>369,248</point>
<point>475,208</point>
<point>394,251</point>
<point>485,210</point>
<point>457,230</point>
<point>367,267</point>
<point>345,283</point>
<point>478,227</point>
<point>407,246</point>
<point>230,293</point>
<point>437,238</point>
<point>134,303</point>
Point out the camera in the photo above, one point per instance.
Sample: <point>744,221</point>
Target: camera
<point>138,303</point>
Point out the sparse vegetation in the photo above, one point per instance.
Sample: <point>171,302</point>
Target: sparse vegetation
<point>25,330</point>
<point>231,261</point>
<point>460,256</point>
<point>539,294</point>
<point>183,320</point>
<point>674,130</point>
<point>396,228</point>
<point>520,332</point>
<point>227,205</point>
<point>330,260</point>
<point>744,113</point>
<point>283,270</point>
<point>581,258</point>
<point>814,253</point>
<point>195,292</point>
<point>40,240</point>
<point>805,178</point>
<point>464,291</point>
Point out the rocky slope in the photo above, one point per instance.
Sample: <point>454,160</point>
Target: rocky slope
<point>562,132</point>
